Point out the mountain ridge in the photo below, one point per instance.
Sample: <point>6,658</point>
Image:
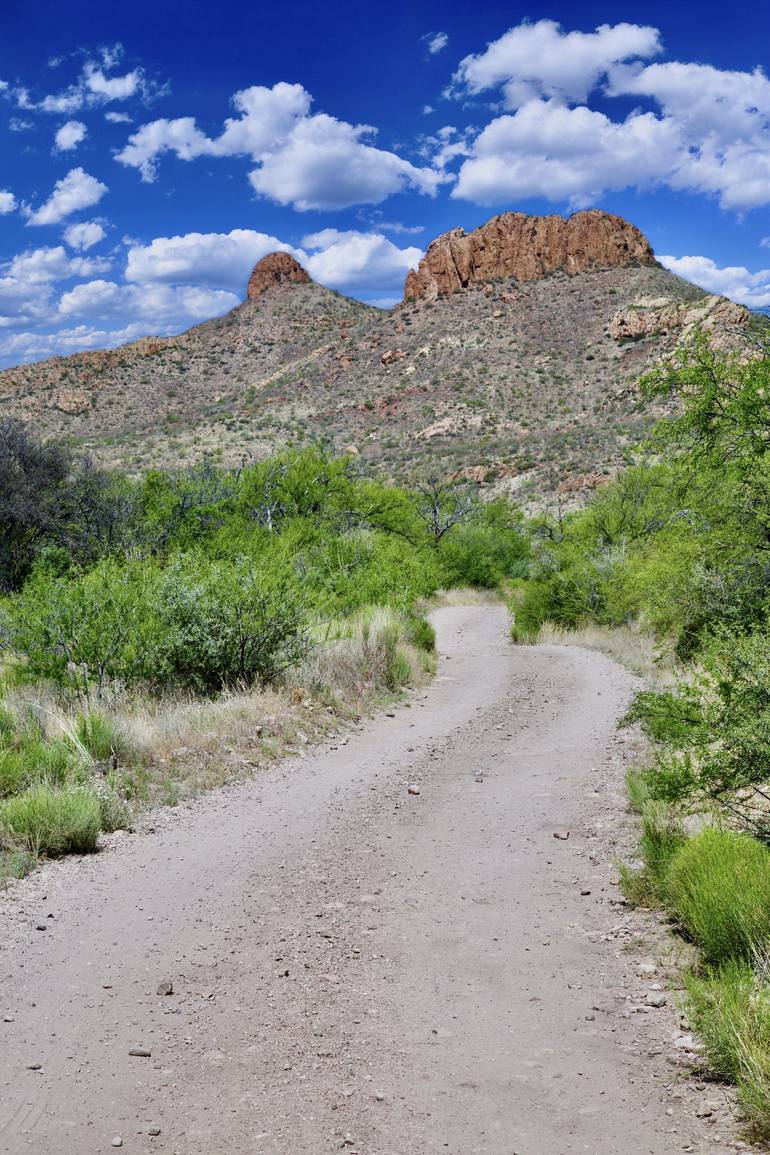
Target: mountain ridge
<point>528,383</point>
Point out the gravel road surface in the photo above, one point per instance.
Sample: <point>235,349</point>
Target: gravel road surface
<point>380,948</point>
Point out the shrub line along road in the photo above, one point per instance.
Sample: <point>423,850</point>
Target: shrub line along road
<point>356,967</point>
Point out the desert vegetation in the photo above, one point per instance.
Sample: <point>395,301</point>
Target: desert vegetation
<point>676,547</point>
<point>166,633</point>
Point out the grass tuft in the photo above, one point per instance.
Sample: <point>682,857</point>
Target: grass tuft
<point>46,820</point>
<point>730,1010</point>
<point>718,886</point>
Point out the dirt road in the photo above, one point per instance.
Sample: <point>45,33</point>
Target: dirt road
<point>356,967</point>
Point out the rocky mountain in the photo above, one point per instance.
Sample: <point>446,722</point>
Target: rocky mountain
<point>527,249</point>
<point>513,359</point>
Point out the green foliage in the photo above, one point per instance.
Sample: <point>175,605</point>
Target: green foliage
<point>28,756</point>
<point>422,634</point>
<point>666,716</point>
<point>663,837</point>
<point>51,821</point>
<point>724,1007</point>
<point>718,885</point>
<point>100,736</point>
<point>716,728</point>
<point>486,551</point>
<point>222,624</point>
<point>82,632</point>
<point>32,477</point>
<point>730,1010</point>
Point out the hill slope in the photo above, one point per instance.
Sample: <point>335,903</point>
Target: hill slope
<point>514,356</point>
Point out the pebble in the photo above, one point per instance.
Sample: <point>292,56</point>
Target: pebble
<point>34,1066</point>
<point>563,835</point>
<point>165,987</point>
<point>140,1053</point>
<point>413,788</point>
<point>117,1141</point>
<point>657,999</point>
<point>154,1130</point>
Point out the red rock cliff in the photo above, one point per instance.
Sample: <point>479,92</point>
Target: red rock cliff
<point>527,248</point>
<point>275,269</point>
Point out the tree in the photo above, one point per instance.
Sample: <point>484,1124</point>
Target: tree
<point>32,490</point>
<point>442,504</point>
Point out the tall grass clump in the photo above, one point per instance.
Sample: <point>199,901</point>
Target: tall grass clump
<point>718,886</point>
<point>663,837</point>
<point>376,651</point>
<point>50,821</point>
<point>729,1007</point>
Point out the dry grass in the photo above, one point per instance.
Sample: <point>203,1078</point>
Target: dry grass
<point>463,597</point>
<point>628,645</point>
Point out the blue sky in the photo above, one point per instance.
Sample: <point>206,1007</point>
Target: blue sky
<point>150,153</point>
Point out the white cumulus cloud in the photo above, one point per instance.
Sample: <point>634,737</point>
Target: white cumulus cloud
<point>542,60</point>
<point>697,129</point>
<point>548,150</point>
<point>223,260</point>
<point>327,164</point>
<point>309,161</point>
<point>77,190</point>
<point>84,236</point>
<point>7,202</point>
<point>157,306</point>
<point>351,261</point>
<point>359,262</point>
<point>111,87</point>
<point>41,266</point>
<point>734,281</point>
<point>70,135</point>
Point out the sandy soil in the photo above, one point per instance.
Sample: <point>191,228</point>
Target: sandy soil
<point>356,967</point>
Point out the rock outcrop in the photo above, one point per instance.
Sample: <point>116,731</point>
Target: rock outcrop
<point>527,248</point>
<point>660,316</point>
<point>275,269</point>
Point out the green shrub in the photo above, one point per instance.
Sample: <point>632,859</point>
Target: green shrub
<point>219,624</point>
<point>718,885</point>
<point>725,1005</point>
<point>667,716</point>
<point>15,863</point>
<point>662,839</point>
<point>83,632</point>
<point>422,634</point>
<point>50,821</point>
<point>638,790</point>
